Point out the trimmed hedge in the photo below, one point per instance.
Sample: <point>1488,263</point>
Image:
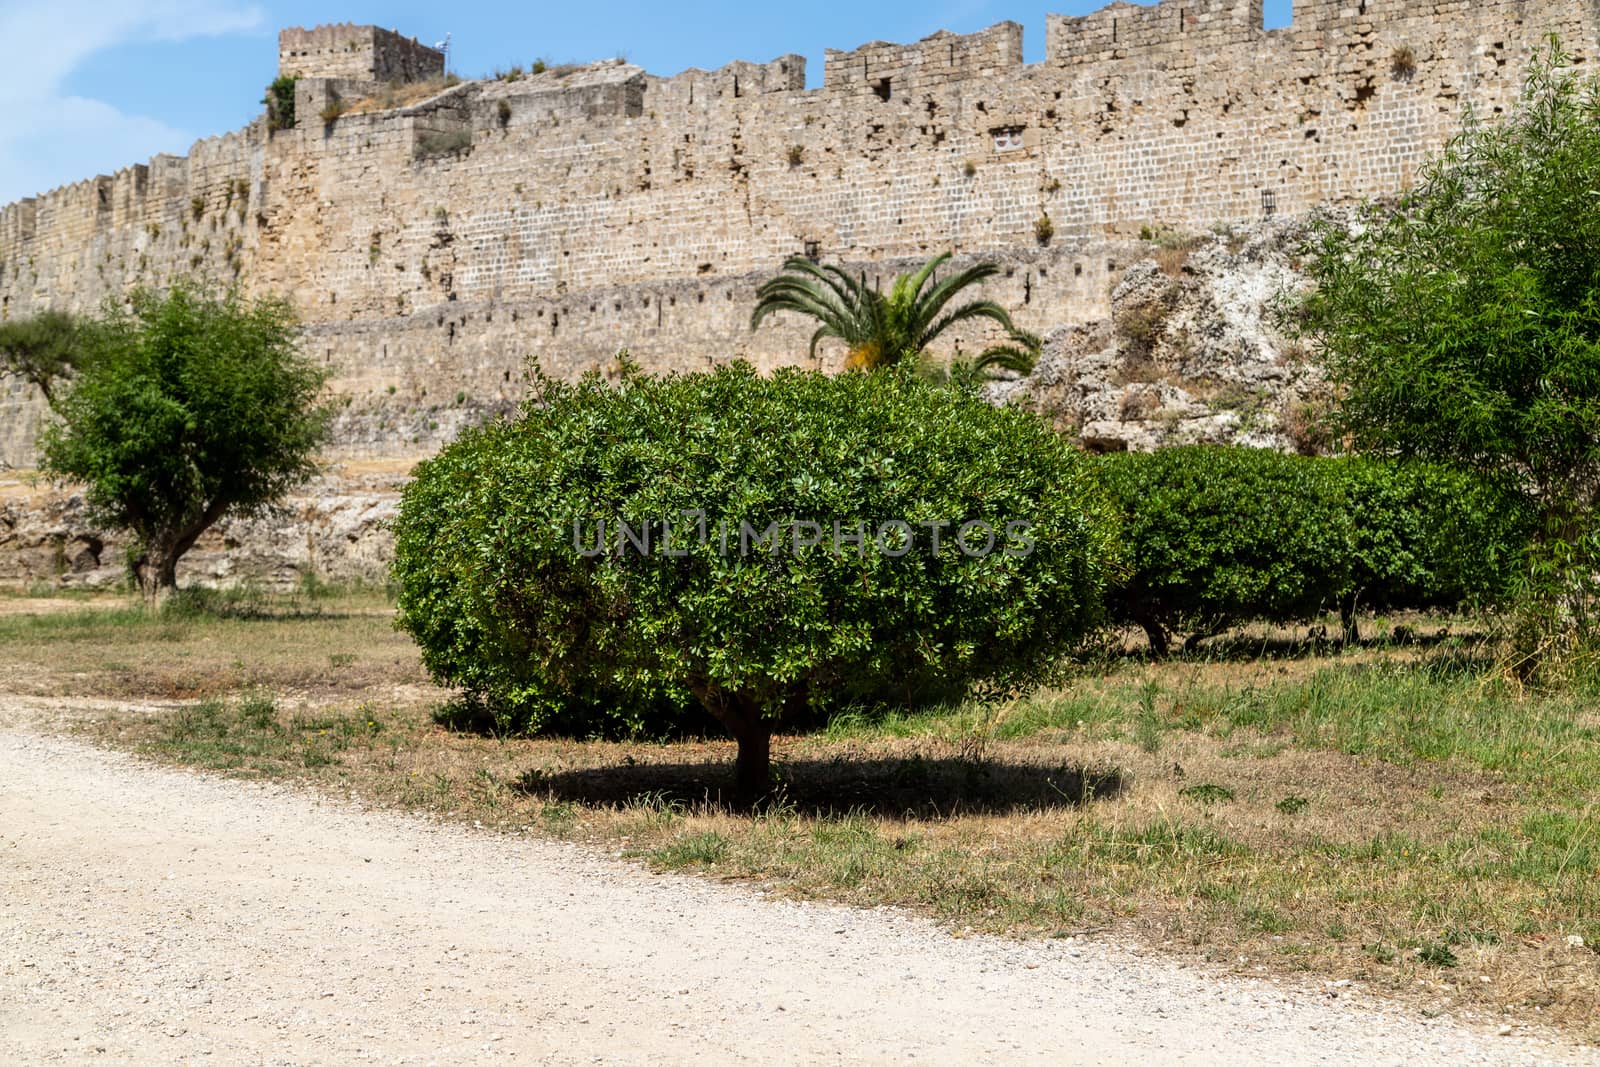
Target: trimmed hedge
<point>1428,536</point>
<point>506,605</point>
<point>1216,536</point>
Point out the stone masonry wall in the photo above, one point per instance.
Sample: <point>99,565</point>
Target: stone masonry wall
<point>357,53</point>
<point>434,248</point>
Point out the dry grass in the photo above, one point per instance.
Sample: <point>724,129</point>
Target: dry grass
<point>303,648</point>
<point>1389,816</point>
<point>402,95</point>
<point>1173,260</point>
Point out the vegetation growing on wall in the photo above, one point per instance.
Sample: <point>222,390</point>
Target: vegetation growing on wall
<point>280,103</point>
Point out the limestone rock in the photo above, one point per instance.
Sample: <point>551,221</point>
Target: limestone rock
<point>1193,350</point>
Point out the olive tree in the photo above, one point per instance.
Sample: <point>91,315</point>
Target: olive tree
<point>191,406</point>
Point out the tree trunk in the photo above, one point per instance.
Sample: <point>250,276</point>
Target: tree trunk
<point>742,718</point>
<point>752,776</point>
<point>1160,646</point>
<point>157,567</point>
<point>157,572</point>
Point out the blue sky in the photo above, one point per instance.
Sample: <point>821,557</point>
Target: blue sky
<point>90,86</point>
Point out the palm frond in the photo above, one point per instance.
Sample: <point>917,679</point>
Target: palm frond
<point>942,293</point>
<point>1020,355</point>
<point>916,282</point>
<point>800,274</point>
<point>808,291</point>
<point>803,302</point>
<point>823,333</point>
<point>879,329</point>
<point>977,309</point>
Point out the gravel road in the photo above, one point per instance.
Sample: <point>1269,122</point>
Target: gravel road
<point>157,915</point>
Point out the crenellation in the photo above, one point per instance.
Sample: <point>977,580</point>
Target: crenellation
<point>890,71</point>
<point>703,88</point>
<point>565,214</point>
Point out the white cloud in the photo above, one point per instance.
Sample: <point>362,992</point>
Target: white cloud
<point>48,138</point>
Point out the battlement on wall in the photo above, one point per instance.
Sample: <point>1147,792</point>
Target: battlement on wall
<point>438,236</point>
<point>1123,30</point>
<point>889,70</point>
<point>1127,32</point>
<point>356,53</point>
<point>786,74</point>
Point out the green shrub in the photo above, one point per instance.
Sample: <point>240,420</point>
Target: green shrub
<point>436,143</point>
<point>1428,536</point>
<point>1460,325</point>
<point>1216,536</point>
<point>280,103</point>
<point>1219,535</point>
<point>506,605</point>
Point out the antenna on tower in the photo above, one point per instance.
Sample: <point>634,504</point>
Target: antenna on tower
<point>444,46</point>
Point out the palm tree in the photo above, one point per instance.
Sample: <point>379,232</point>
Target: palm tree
<point>1019,354</point>
<point>880,330</point>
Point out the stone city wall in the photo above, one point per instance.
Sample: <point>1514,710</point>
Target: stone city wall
<point>436,245</point>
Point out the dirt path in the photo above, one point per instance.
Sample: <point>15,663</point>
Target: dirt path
<point>155,915</point>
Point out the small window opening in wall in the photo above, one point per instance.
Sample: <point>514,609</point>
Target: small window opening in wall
<point>1269,202</point>
<point>1113,31</point>
<point>1183,19</point>
<point>1279,14</point>
<point>1007,138</point>
<point>883,88</point>
<point>813,250</point>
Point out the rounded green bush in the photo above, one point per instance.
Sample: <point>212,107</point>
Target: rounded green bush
<point>739,604</point>
<point>1216,536</point>
<point>1430,536</point>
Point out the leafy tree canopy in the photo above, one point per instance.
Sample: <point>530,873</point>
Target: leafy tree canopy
<point>1216,536</point>
<point>193,405</point>
<point>1463,324</point>
<point>541,620</point>
<point>44,349</point>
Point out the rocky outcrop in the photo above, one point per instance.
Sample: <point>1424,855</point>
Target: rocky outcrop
<point>1195,350</point>
<point>336,529</point>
